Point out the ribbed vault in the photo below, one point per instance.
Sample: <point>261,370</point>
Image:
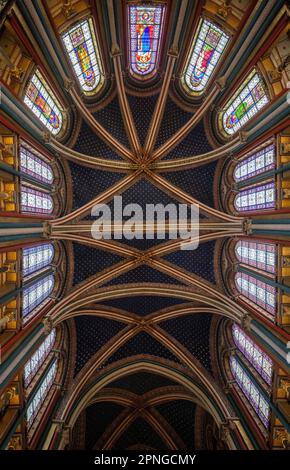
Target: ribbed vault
<point>143,308</point>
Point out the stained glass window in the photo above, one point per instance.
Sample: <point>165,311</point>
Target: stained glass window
<point>36,257</point>
<point>35,294</point>
<point>81,46</point>
<point>246,102</point>
<point>258,358</point>
<point>41,394</point>
<point>259,255</point>
<point>256,198</point>
<point>145,29</point>
<point>256,163</point>
<point>34,201</point>
<point>35,166</point>
<point>37,359</point>
<point>210,43</point>
<point>41,100</point>
<point>260,293</point>
<point>251,392</point>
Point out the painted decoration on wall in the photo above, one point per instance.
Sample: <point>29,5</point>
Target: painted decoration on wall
<point>209,46</point>
<point>145,30</point>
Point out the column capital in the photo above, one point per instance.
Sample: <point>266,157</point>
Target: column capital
<point>48,325</point>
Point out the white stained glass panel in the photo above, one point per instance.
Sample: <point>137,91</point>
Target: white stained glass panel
<point>209,46</point>
<point>36,257</point>
<point>41,100</point>
<point>37,359</point>
<point>34,166</point>
<point>81,46</point>
<point>247,101</point>
<point>35,294</point>
<point>258,358</point>
<point>253,395</point>
<point>256,163</point>
<point>41,394</point>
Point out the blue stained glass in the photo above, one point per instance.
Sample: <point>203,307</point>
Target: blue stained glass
<point>34,295</point>
<point>36,257</point>
<point>35,166</point>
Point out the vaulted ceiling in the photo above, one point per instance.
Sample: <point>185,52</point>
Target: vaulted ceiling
<point>122,406</point>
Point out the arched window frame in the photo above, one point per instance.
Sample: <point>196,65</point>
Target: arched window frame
<point>251,393</point>
<point>35,296</point>
<point>35,201</point>
<point>258,293</point>
<point>245,90</point>
<point>255,163</point>
<point>34,165</point>
<point>261,197</point>
<point>37,87</point>
<point>257,254</point>
<point>261,362</point>
<point>33,365</point>
<point>36,258</point>
<point>205,25</point>
<point>90,43</point>
<point>39,396</point>
<point>132,8</point>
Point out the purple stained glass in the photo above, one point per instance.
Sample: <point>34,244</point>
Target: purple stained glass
<point>34,201</point>
<point>256,163</point>
<point>35,166</point>
<point>145,24</point>
<point>258,358</point>
<point>255,398</point>
<point>259,255</point>
<point>256,198</point>
<point>261,294</point>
